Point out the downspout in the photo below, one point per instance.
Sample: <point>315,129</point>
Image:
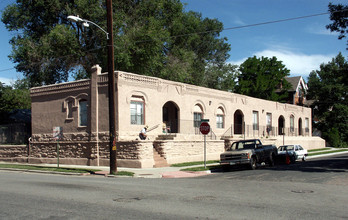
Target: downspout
<point>97,121</point>
<point>96,72</point>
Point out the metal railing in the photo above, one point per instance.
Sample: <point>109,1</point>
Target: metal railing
<point>235,130</point>
<point>262,131</point>
<point>14,133</point>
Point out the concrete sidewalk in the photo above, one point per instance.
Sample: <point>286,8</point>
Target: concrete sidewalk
<point>164,172</point>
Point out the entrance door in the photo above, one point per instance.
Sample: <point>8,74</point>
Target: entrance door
<point>281,127</point>
<point>170,117</point>
<point>300,127</point>
<point>238,122</point>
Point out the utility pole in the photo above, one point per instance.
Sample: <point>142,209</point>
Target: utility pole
<point>112,90</point>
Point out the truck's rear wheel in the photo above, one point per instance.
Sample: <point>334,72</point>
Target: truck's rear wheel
<point>252,164</point>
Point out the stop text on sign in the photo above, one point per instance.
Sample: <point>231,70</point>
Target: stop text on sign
<point>204,128</point>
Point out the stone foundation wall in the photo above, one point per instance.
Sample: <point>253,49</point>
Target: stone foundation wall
<point>83,149</point>
<point>12,151</point>
<point>177,151</point>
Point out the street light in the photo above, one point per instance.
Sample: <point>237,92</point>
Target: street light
<point>85,23</point>
<point>113,99</point>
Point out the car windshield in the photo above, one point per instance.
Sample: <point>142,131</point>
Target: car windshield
<point>243,145</point>
<point>284,148</point>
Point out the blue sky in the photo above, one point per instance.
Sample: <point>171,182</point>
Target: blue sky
<point>302,44</point>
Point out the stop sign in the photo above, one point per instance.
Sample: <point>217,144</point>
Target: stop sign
<point>204,128</point>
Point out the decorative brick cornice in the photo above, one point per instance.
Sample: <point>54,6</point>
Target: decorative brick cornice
<point>58,88</point>
<point>129,77</point>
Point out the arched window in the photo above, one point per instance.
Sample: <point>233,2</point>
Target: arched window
<point>69,105</point>
<point>137,110</point>
<point>197,116</point>
<point>220,118</point>
<point>82,113</point>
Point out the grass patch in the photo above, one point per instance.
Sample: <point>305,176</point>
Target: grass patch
<point>326,152</point>
<point>320,149</point>
<point>42,168</point>
<point>187,164</point>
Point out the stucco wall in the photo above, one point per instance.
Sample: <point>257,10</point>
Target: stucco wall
<point>157,92</point>
<point>89,144</point>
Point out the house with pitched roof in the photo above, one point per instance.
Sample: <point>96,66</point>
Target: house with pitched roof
<point>297,91</point>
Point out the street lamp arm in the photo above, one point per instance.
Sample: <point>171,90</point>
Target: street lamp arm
<point>78,19</point>
<point>107,34</point>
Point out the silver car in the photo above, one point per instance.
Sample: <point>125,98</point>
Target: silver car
<point>300,152</point>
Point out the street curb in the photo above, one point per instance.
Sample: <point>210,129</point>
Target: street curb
<point>45,172</point>
<point>328,154</point>
<point>158,174</point>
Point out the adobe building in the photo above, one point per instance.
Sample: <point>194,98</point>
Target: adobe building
<point>173,112</point>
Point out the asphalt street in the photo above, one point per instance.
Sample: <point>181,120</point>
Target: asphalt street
<point>316,189</point>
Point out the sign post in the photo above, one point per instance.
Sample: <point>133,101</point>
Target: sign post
<point>205,129</point>
<point>57,133</point>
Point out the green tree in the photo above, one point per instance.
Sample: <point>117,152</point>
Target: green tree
<point>262,77</point>
<point>13,97</point>
<point>329,88</point>
<point>155,38</point>
<point>221,77</point>
<point>339,16</point>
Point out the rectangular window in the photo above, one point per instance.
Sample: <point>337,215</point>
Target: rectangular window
<point>82,113</point>
<point>269,119</point>
<point>197,117</point>
<point>255,120</point>
<point>292,123</point>
<point>219,121</point>
<point>137,112</point>
<point>307,124</point>
<point>268,123</point>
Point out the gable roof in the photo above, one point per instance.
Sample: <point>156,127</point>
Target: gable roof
<point>295,82</point>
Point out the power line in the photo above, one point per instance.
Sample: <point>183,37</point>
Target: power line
<point>224,29</point>
<point>253,25</point>
<point>7,69</point>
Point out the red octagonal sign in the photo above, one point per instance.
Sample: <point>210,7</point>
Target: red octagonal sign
<point>204,128</point>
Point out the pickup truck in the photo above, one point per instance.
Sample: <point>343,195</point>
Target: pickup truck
<point>249,152</point>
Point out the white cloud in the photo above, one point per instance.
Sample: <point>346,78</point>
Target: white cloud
<point>319,29</point>
<point>238,21</point>
<point>299,64</point>
<point>6,81</point>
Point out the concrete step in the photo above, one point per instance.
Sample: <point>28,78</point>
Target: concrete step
<point>166,137</point>
<point>159,160</point>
